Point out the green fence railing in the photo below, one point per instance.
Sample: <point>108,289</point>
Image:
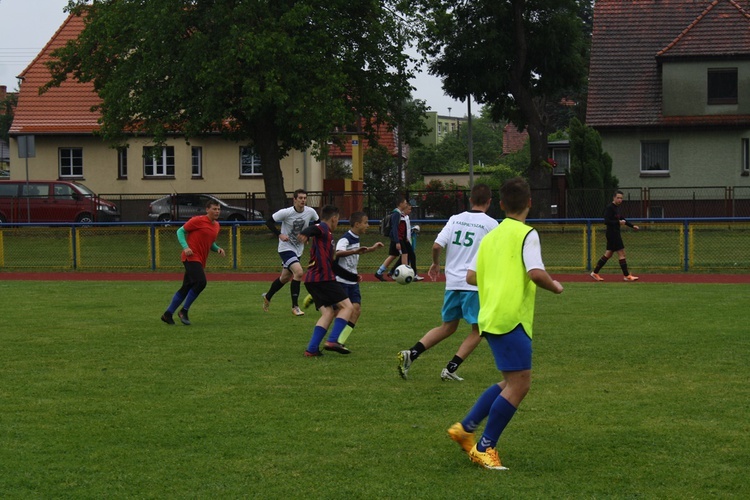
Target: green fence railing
<point>572,245</point>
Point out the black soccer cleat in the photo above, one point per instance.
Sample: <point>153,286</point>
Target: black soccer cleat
<point>183,315</point>
<point>379,276</point>
<point>167,318</point>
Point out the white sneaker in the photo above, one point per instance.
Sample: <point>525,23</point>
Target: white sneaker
<point>297,311</point>
<point>446,375</point>
<point>418,278</point>
<point>404,362</point>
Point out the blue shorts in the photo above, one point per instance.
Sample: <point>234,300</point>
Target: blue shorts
<point>512,350</point>
<point>459,304</point>
<point>288,258</point>
<point>352,291</point>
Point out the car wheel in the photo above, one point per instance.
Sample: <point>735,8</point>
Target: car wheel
<point>3,220</point>
<point>165,218</point>
<point>235,218</point>
<point>85,218</point>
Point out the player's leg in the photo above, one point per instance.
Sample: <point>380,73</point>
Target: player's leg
<point>319,331</point>
<point>469,302</point>
<point>297,276</point>
<point>278,283</point>
<point>600,264</point>
<point>355,297</point>
<point>467,347</point>
<point>512,353</point>
<point>624,266</point>
<point>343,313</point>
<point>177,299</point>
<point>393,253</point>
<point>198,284</point>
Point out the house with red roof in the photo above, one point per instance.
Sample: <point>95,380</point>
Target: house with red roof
<point>64,127</point>
<point>669,91</point>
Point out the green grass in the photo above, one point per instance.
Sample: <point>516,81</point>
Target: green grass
<point>639,391</point>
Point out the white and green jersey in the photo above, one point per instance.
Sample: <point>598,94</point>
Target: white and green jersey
<point>292,223</point>
<point>460,237</point>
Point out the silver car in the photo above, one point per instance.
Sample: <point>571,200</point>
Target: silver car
<point>185,206</point>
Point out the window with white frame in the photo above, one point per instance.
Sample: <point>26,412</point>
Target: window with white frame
<point>71,162</point>
<point>122,162</point>
<point>197,161</point>
<point>158,162</point>
<point>745,156</point>
<point>249,161</point>
<point>722,86</point>
<point>654,156</point>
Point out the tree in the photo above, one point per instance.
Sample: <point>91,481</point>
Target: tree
<point>514,56</point>
<point>590,179</point>
<point>277,74</point>
<point>452,153</point>
<point>7,108</point>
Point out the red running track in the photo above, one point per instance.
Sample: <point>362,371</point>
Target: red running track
<point>222,276</point>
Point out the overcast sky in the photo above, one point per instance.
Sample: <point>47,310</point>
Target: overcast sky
<point>27,25</point>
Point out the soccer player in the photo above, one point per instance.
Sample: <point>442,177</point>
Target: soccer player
<point>460,237</point>
<point>613,220</point>
<point>407,247</point>
<point>320,280</point>
<point>507,270</point>
<point>197,236</point>
<point>348,250</point>
<point>293,220</point>
<point>397,235</point>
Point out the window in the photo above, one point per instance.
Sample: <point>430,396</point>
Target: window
<point>722,86</point>
<point>158,162</point>
<point>654,156</point>
<point>745,156</point>
<point>249,161</point>
<point>71,162</point>
<point>122,163</point>
<point>197,162</point>
<point>64,192</point>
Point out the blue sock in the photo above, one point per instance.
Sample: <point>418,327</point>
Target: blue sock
<point>500,414</point>
<point>338,326</point>
<point>381,269</point>
<point>191,296</point>
<point>176,301</point>
<point>318,333</point>
<point>481,408</point>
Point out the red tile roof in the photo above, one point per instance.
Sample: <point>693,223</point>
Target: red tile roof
<point>513,140</point>
<point>386,138</point>
<point>631,37</point>
<point>64,109</point>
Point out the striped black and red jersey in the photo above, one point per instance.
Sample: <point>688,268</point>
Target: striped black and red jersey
<point>322,253</point>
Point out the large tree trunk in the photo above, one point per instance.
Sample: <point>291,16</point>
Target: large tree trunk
<point>540,177</point>
<point>267,146</point>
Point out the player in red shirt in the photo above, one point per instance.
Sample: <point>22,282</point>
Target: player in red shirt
<point>197,237</point>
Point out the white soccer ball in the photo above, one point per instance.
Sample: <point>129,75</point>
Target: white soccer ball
<point>403,274</point>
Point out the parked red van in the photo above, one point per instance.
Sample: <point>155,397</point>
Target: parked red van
<point>52,201</point>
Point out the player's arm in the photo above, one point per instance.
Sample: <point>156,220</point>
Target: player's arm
<point>182,238</point>
<point>434,271</point>
<point>309,232</point>
<point>471,277</point>
<point>542,279</point>
<point>271,225</point>
<point>216,248</point>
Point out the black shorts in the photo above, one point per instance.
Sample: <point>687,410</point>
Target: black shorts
<point>395,251</point>
<point>614,242</point>
<point>326,293</point>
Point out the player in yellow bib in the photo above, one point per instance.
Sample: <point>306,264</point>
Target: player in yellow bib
<point>507,270</point>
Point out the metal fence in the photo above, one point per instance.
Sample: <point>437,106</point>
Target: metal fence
<point>571,245</point>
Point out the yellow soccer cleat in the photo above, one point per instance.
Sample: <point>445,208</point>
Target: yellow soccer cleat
<point>463,438</point>
<point>487,459</point>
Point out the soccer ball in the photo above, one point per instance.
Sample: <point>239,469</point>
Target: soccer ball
<point>403,274</point>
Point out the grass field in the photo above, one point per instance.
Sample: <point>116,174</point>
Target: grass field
<point>640,391</point>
